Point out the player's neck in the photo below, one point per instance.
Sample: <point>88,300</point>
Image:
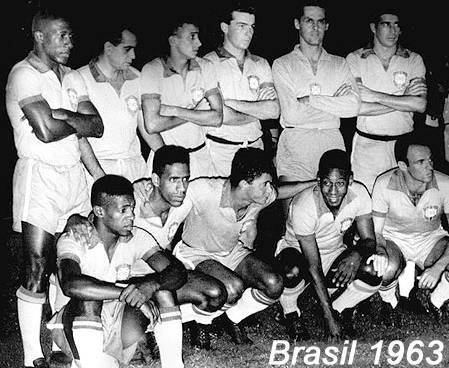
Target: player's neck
<point>384,52</point>
<point>239,54</point>
<point>311,52</point>
<point>178,62</point>
<point>414,186</point>
<point>159,206</point>
<point>106,68</point>
<point>107,237</point>
<point>47,61</point>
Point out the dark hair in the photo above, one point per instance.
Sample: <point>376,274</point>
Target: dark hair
<point>318,3</point>
<point>237,6</point>
<point>403,143</point>
<point>110,186</point>
<point>169,155</point>
<point>112,32</point>
<point>248,164</point>
<point>43,16</point>
<point>379,11</point>
<point>334,159</point>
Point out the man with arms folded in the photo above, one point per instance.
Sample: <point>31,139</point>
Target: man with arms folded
<point>408,203</point>
<point>51,115</point>
<point>391,82</point>
<point>180,96</point>
<point>313,249</point>
<point>247,88</point>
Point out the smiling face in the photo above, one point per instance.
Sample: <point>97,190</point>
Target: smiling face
<point>186,41</point>
<point>173,183</point>
<point>118,214</point>
<point>334,186</point>
<point>55,38</point>
<point>387,30</point>
<point>239,32</point>
<point>121,56</point>
<point>312,26</point>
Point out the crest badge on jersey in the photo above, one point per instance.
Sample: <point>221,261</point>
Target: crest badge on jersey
<point>254,83</point>
<point>430,212</point>
<point>123,271</point>
<point>345,224</point>
<point>400,79</point>
<point>73,98</point>
<point>197,95</point>
<point>315,89</point>
<point>132,104</point>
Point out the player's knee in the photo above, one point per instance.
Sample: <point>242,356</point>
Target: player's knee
<point>36,276</point>
<point>394,269</point>
<point>368,274</point>
<point>86,308</point>
<point>235,289</point>
<point>291,277</point>
<point>216,297</point>
<point>274,285</point>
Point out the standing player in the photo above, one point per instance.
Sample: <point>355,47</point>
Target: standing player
<point>391,81</point>
<point>113,87</point>
<point>408,203</point>
<point>180,96</point>
<point>247,88</point>
<point>312,249</point>
<point>51,115</point>
<point>99,326</point>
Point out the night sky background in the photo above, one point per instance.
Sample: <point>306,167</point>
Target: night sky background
<point>424,28</point>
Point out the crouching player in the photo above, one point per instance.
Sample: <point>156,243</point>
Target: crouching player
<point>408,203</point>
<point>108,311</point>
<point>312,249</point>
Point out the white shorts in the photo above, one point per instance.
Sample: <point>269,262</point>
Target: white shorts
<point>418,251</point>
<point>46,196</point>
<point>132,168</point>
<point>191,257</point>
<point>299,151</point>
<point>223,154</point>
<point>370,158</point>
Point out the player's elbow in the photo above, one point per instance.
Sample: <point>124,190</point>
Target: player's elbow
<point>98,127</point>
<point>152,127</point>
<point>421,106</point>
<point>44,135</point>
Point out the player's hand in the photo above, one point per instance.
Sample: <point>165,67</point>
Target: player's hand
<point>343,90</point>
<point>416,87</point>
<point>347,269</point>
<point>82,230</point>
<point>367,94</point>
<point>380,263</point>
<point>132,296</point>
<point>151,312</point>
<point>430,277</point>
<point>248,233</point>
<point>267,93</point>
<point>142,189</point>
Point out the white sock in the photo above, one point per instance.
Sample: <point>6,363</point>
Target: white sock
<point>441,293</point>
<point>88,337</point>
<point>190,312</point>
<point>168,334</point>
<point>388,293</point>
<point>29,310</point>
<point>289,298</point>
<point>252,301</point>
<point>355,292</point>
<point>407,279</point>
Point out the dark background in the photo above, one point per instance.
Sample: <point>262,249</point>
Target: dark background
<point>424,29</point>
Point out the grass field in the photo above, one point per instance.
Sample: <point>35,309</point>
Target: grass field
<point>263,330</point>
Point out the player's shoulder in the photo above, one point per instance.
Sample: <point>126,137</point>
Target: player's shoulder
<point>383,180</point>
<point>305,197</point>
<point>359,189</point>
<point>153,65</point>
<point>284,58</point>
<point>358,53</point>
<point>442,181</point>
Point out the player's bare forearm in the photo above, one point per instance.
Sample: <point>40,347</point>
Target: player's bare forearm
<point>289,189</point>
<point>374,109</point>
<point>86,125</point>
<point>211,118</point>
<point>89,159</point>
<point>233,117</point>
<point>263,110</point>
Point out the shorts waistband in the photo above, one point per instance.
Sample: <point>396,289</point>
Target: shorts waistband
<point>225,141</point>
<point>383,138</point>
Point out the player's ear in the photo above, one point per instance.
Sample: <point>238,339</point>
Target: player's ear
<point>224,27</point>
<point>296,22</point>
<point>155,179</point>
<point>402,165</point>
<point>38,36</point>
<point>98,211</point>
<point>351,179</point>
<point>108,47</point>
<point>372,26</point>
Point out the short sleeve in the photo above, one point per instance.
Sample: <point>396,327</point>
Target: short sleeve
<point>379,201</point>
<point>209,75</point>
<point>144,245</point>
<point>151,80</point>
<point>302,214</point>
<point>68,248</point>
<point>364,200</point>
<point>417,67</point>
<point>353,62</point>
<point>24,86</point>
<point>266,76</point>
<point>74,83</point>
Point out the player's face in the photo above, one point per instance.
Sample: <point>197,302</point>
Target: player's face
<point>57,41</point>
<point>260,189</point>
<point>240,30</point>
<point>174,182</point>
<point>334,187</point>
<point>312,26</point>
<point>420,164</point>
<point>119,215</point>
<point>387,30</point>
<point>187,41</point>
<point>122,55</point>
